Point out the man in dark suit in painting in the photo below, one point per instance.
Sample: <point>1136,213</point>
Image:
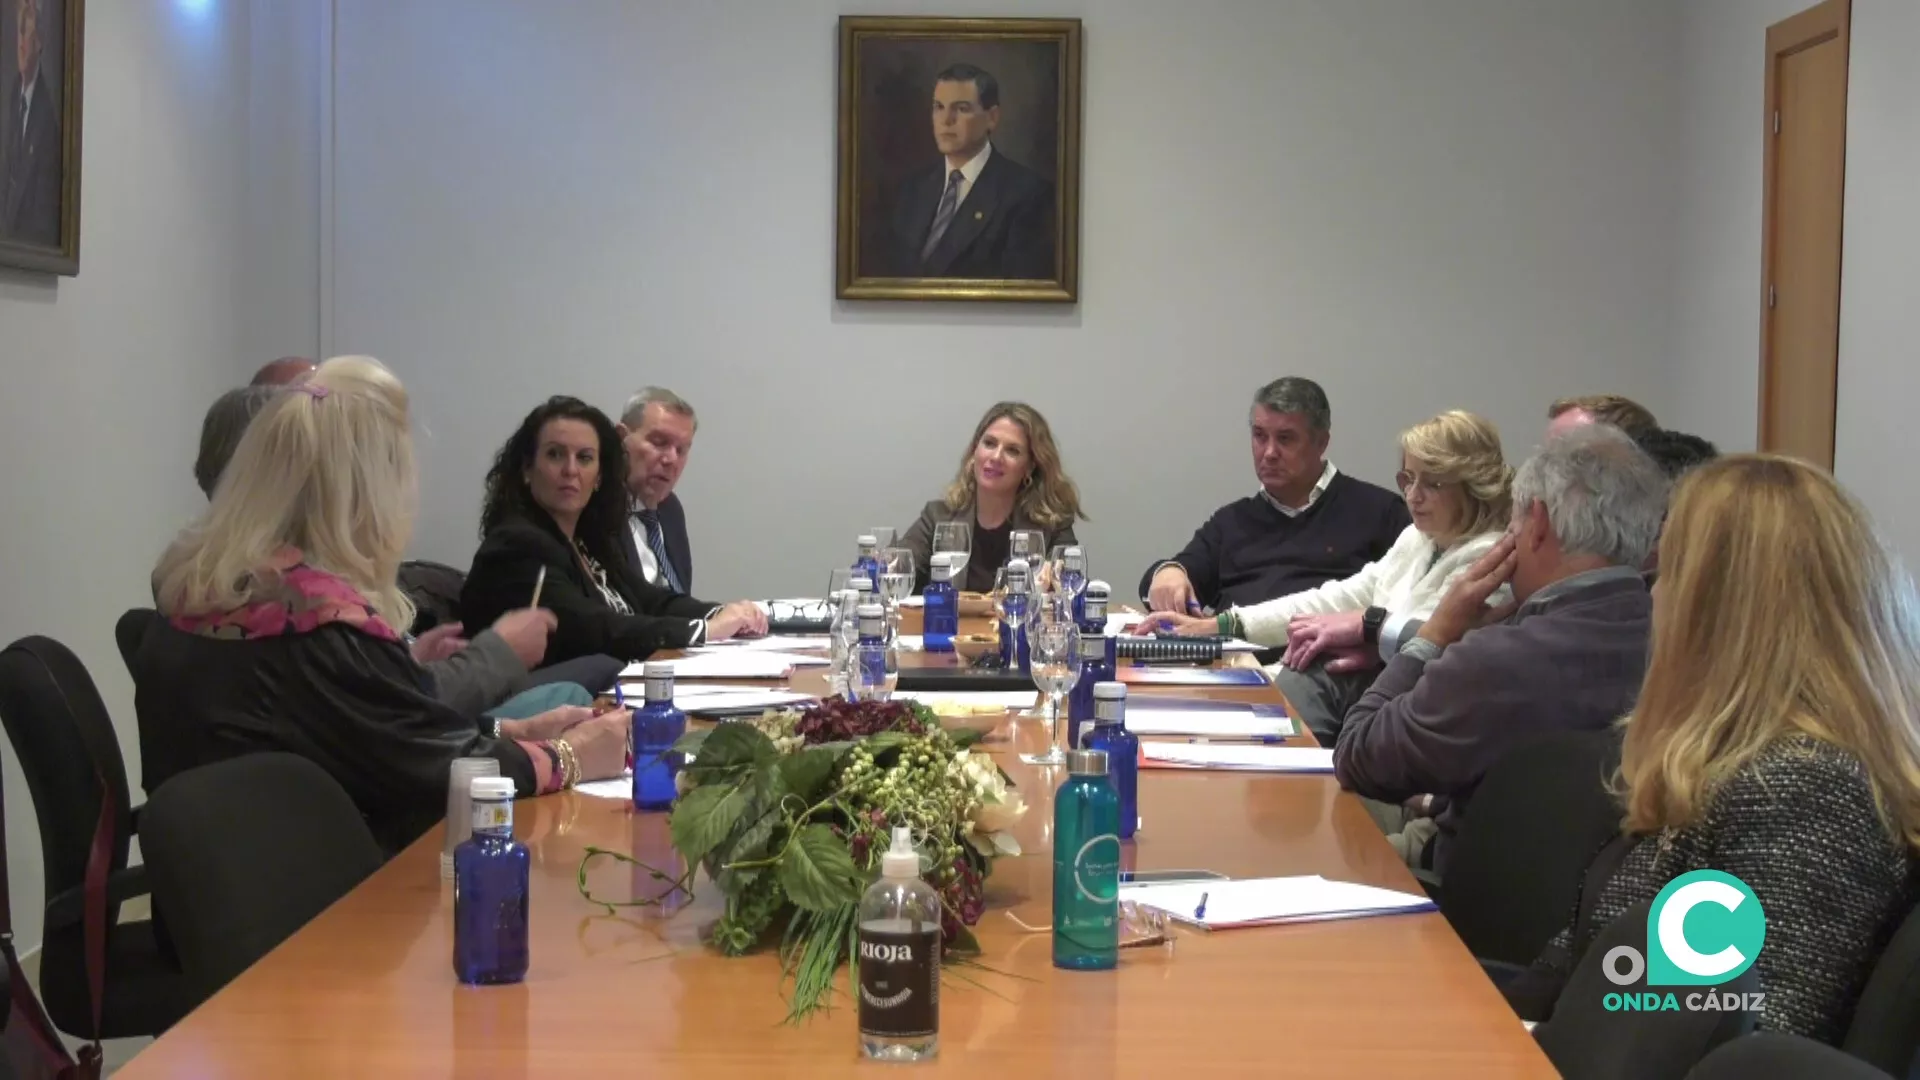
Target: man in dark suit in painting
<point>978,213</point>
<point>30,147</point>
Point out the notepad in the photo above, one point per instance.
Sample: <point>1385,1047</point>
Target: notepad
<point>1237,757</point>
<point>735,699</point>
<point>1152,676</point>
<point>730,664</point>
<point>1154,716</point>
<point>772,643</point>
<point>970,701</point>
<point>1225,905</point>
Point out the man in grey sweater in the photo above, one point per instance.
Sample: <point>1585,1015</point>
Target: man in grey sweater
<point>1567,655</point>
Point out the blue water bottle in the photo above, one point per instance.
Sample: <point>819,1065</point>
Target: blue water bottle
<point>490,876</point>
<point>1013,618</point>
<point>657,725</point>
<point>1073,580</point>
<point>1122,748</point>
<point>874,670</point>
<point>1086,866</point>
<point>1093,613</point>
<point>941,619</point>
<point>867,563</point>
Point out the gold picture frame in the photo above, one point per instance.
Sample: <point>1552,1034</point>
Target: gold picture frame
<point>40,135</point>
<point>941,211</point>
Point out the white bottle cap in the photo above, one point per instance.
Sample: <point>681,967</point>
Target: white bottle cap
<point>943,567</point>
<point>901,861</point>
<point>657,669</point>
<point>492,787</point>
<point>870,611</point>
<point>1098,590</point>
<point>1109,690</point>
<point>866,540</point>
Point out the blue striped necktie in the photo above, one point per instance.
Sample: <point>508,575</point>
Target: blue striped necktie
<point>943,217</point>
<point>657,543</point>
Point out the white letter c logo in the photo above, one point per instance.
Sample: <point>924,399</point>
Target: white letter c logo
<point>1672,924</point>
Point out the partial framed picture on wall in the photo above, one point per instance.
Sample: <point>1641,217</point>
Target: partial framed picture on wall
<point>40,134</point>
<point>959,172</point>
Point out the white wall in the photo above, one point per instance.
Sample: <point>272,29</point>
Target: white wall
<point>1421,205</point>
<point>1880,269</point>
<point>107,374</point>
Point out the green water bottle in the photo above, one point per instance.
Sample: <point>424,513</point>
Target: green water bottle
<point>1086,866</point>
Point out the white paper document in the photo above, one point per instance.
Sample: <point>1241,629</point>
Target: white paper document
<point>913,601</point>
<point>620,787</point>
<point>703,698</point>
<point>1220,905</point>
<point>1239,756</point>
<point>773,642</point>
<point>1145,718</point>
<point>730,664</point>
<point>1123,621</point>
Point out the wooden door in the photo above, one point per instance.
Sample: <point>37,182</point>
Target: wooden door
<point>1806,142</point>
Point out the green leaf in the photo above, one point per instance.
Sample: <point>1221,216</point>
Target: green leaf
<point>691,742</point>
<point>704,816</point>
<point>882,741</point>
<point>965,737</point>
<point>730,750</point>
<point>749,845</point>
<point>817,870</point>
<point>806,772</point>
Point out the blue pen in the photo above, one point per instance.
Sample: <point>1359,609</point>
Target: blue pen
<point>1264,740</point>
<point>1201,911</point>
<point>619,697</point>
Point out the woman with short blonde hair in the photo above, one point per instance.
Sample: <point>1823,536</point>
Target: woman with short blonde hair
<point>1457,484</point>
<point>1777,734</point>
<point>285,622</point>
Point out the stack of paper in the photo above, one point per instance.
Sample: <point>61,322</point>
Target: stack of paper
<point>731,664</point>
<point>774,642</point>
<point>1222,905</point>
<point>1167,716</point>
<point>969,701</point>
<point>1236,756</point>
<point>620,787</point>
<point>701,698</point>
<point>1185,676</point>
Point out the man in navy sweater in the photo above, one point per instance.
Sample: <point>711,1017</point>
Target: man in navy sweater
<point>1307,525</point>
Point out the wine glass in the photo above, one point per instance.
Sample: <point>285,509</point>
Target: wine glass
<point>1028,544</point>
<point>1055,651</point>
<point>839,580</point>
<point>884,535</point>
<point>954,539</point>
<point>873,671</point>
<point>896,583</point>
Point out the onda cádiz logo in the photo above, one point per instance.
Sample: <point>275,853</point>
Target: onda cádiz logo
<point>1705,928</point>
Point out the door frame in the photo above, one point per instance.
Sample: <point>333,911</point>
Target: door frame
<point>1830,20</point>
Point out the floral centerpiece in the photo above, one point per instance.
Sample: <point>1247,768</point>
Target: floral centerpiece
<point>789,815</point>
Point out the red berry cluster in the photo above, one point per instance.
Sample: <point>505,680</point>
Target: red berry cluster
<point>837,719</point>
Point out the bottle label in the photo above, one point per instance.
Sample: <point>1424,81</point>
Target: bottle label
<point>900,982</point>
<point>1109,710</point>
<point>659,688</point>
<point>1093,647</point>
<point>1096,869</point>
<point>488,814</point>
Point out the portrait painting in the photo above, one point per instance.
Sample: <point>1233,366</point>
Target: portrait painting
<point>959,172</point>
<point>40,140</point>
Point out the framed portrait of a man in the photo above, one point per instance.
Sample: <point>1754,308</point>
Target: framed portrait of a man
<point>959,171</point>
<point>40,134</point>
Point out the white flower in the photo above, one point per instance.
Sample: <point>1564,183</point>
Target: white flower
<point>682,783</point>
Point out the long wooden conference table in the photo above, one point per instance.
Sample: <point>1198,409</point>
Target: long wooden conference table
<point>367,988</point>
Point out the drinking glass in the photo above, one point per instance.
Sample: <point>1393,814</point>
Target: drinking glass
<point>1055,651</point>
<point>1028,544</point>
<point>838,581</point>
<point>884,535</point>
<point>843,634</point>
<point>1072,579</point>
<point>896,583</point>
<point>954,538</point>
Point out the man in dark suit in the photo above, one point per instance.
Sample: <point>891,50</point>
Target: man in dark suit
<point>657,431</point>
<point>30,149</point>
<point>978,213</point>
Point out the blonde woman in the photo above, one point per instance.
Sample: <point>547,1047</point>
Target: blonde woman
<point>1456,482</point>
<point>1010,478</point>
<point>284,619</point>
<point>1776,738</point>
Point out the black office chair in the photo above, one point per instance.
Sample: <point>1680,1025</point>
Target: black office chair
<point>101,978</point>
<point>1587,1042</point>
<point>243,853</point>
<point>1886,1023</point>
<point>1537,820</point>
<point>1771,1055</point>
<point>434,589</point>
<point>130,632</point>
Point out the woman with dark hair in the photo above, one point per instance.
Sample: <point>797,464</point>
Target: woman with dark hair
<point>556,500</point>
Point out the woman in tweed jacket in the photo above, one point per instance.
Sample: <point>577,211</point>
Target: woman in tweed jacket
<point>1775,737</point>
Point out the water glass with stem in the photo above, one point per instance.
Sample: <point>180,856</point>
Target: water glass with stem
<point>896,584</point>
<point>1055,649</point>
<point>955,540</point>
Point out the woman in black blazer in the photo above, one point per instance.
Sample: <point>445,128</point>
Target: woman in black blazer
<point>556,499</point>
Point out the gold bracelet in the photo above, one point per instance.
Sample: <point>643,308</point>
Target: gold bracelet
<point>569,763</point>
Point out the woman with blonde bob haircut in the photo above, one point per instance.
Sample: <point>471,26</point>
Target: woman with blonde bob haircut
<point>1010,478</point>
<point>1457,484</point>
<point>1777,734</point>
<point>284,621</point>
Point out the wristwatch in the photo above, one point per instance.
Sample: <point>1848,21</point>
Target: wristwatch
<point>1370,624</point>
